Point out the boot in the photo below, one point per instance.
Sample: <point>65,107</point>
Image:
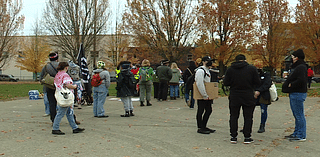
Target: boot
<point>171,98</point>
<point>261,129</point>
<point>174,98</point>
<point>141,103</point>
<point>126,114</point>
<point>131,113</point>
<point>148,103</point>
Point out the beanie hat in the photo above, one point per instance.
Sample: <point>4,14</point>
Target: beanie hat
<point>53,56</point>
<point>165,61</point>
<point>240,57</point>
<point>101,65</point>
<point>299,53</point>
<point>206,58</point>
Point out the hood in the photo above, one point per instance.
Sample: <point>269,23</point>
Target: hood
<point>239,64</point>
<point>97,70</point>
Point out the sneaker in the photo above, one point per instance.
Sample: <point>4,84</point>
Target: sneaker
<point>104,116</point>
<point>211,130</point>
<point>290,136</point>
<point>203,131</point>
<point>189,103</point>
<point>78,130</point>
<point>57,132</point>
<point>297,139</point>
<point>248,140</point>
<point>233,140</point>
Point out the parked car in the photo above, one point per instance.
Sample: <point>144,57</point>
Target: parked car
<point>278,79</point>
<point>10,78</point>
<point>316,79</point>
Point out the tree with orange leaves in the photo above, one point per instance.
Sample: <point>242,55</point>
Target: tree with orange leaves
<point>227,27</point>
<point>274,33</point>
<point>307,29</point>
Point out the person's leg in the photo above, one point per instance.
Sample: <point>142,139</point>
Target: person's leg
<point>176,91</point>
<point>102,95</point>
<point>52,103</point>
<point>248,120</point>
<point>264,113</point>
<point>172,90</point>
<point>309,81</point>
<point>46,103</point>
<point>142,92</point>
<point>208,111</point>
<point>186,94</point>
<point>95,102</point>
<point>233,122</point>
<point>297,107</point>
<point>148,92</point>
<point>200,111</point>
<point>192,100</point>
<point>61,112</point>
<point>160,90</point>
<point>125,101</point>
<point>69,114</point>
<point>155,90</point>
<point>165,91</point>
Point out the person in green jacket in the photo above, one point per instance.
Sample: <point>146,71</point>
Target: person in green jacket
<point>145,82</point>
<point>174,82</point>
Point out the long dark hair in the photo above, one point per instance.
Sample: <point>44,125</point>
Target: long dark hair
<point>62,65</point>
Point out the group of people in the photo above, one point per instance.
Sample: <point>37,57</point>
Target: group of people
<point>249,87</point>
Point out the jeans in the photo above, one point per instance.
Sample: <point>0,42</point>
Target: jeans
<point>99,97</point>
<point>145,90</point>
<point>248,119</point>
<point>186,95</point>
<point>174,90</point>
<point>297,107</point>
<point>60,114</point>
<point>127,103</point>
<point>204,106</point>
<point>264,113</point>
<point>46,103</point>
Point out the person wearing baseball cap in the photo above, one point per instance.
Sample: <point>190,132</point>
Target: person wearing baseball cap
<point>296,86</point>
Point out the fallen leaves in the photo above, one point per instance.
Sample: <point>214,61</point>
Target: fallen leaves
<point>51,141</point>
<point>20,140</point>
<point>138,146</point>
<point>2,154</point>
<point>195,147</point>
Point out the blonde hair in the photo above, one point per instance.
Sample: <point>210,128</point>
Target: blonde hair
<point>145,63</point>
<point>174,66</point>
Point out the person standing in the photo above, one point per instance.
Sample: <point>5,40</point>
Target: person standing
<point>242,79</point>
<point>189,88</point>
<point>296,86</point>
<point>174,82</point>
<point>164,74</point>
<point>145,82</point>
<point>51,69</point>
<point>310,75</point>
<point>46,103</point>
<point>204,105</point>
<point>100,92</point>
<point>262,95</point>
<point>62,80</point>
<point>125,87</point>
<point>155,81</point>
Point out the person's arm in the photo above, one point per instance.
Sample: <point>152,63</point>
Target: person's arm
<point>70,86</point>
<point>43,71</point>
<point>107,79</point>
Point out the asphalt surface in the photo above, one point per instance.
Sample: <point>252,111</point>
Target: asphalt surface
<point>166,129</point>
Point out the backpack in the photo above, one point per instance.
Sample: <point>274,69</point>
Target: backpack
<point>144,74</point>
<point>191,80</point>
<point>74,72</point>
<point>96,80</point>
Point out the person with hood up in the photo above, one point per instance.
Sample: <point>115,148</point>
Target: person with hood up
<point>242,79</point>
<point>296,86</point>
<point>174,82</point>
<point>100,93</point>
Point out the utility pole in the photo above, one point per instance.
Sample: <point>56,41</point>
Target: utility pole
<point>95,34</point>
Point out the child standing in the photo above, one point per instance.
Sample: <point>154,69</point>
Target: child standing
<point>125,87</point>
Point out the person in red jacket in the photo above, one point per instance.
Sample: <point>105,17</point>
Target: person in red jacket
<point>310,75</point>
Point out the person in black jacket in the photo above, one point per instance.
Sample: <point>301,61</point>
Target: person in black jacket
<point>189,88</point>
<point>263,96</point>
<point>296,86</point>
<point>242,79</point>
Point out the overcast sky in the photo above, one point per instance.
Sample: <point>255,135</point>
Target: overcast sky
<point>32,9</point>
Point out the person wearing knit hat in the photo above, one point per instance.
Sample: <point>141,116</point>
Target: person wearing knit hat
<point>51,69</point>
<point>296,86</point>
<point>145,82</point>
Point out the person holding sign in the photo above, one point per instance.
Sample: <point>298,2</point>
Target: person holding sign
<point>204,105</point>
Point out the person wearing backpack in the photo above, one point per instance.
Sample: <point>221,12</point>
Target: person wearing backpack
<point>187,73</point>
<point>125,87</point>
<point>174,82</point>
<point>145,82</point>
<point>164,74</point>
<point>100,82</point>
<point>74,71</point>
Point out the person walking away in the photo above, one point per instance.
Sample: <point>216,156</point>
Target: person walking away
<point>204,105</point>
<point>189,88</point>
<point>62,80</point>
<point>242,79</point>
<point>51,68</point>
<point>74,71</point>
<point>100,82</point>
<point>164,74</point>
<point>296,86</point>
<point>262,95</point>
<point>174,82</point>
<point>125,87</point>
<point>145,82</point>
<point>310,75</point>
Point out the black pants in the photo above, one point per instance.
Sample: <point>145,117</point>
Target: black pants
<point>248,119</point>
<point>156,90</point>
<point>163,90</point>
<point>204,106</point>
<point>309,81</point>
<point>52,103</point>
